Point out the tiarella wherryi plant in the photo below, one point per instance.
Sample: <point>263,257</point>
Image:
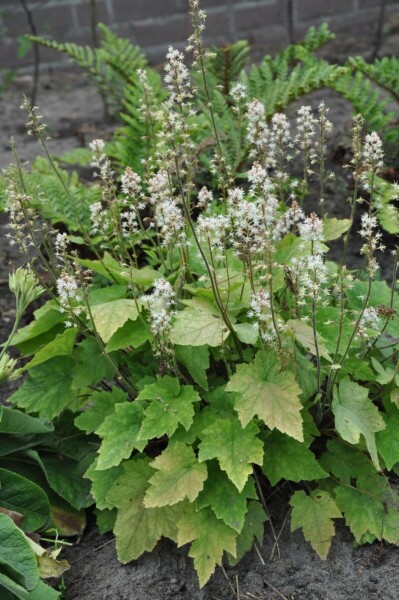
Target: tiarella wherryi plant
<point>202,339</point>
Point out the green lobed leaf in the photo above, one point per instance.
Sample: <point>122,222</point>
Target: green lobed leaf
<point>120,433</point>
<point>47,389</point>
<point>304,335</point>
<point>345,462</point>
<point>210,537</point>
<point>252,530</point>
<point>101,404</point>
<point>269,393</point>
<point>110,316</point>
<point>286,458</point>
<point>388,439</point>
<point>132,334</point>
<point>370,507</point>
<point>102,482</point>
<point>314,514</point>
<point>236,448</point>
<point>195,327</point>
<point>91,365</point>
<point>222,496</point>
<point>179,475</point>
<point>334,228</point>
<point>356,415</point>
<point>62,345</point>
<point>138,529</point>
<point>171,404</point>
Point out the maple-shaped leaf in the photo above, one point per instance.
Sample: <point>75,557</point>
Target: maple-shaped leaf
<point>314,514</point>
<point>268,392</point>
<point>120,433</point>
<point>137,528</point>
<point>101,483</point>
<point>253,530</point>
<point>304,335</point>
<point>179,475</point>
<point>198,327</point>
<point>286,458</point>
<point>48,388</point>
<point>355,414</point>
<point>210,537</point>
<point>370,508</point>
<point>101,405</point>
<point>171,404</point>
<point>388,438</point>
<point>236,448</point>
<point>223,497</point>
<point>110,316</point>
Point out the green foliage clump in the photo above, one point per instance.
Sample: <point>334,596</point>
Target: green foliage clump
<point>196,333</point>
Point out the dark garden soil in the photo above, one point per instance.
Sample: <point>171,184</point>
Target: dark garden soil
<point>74,113</point>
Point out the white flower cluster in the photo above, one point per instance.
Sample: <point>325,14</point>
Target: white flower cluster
<point>373,153</point>
<point>372,241</point>
<point>177,78</point>
<point>131,183</point>
<point>70,295</point>
<point>311,229</point>
<point>213,232</point>
<point>260,312</point>
<point>160,306</point>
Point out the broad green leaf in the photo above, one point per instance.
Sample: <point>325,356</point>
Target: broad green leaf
<point>44,592</point>
<point>22,495</point>
<point>210,537</point>
<point>196,361</point>
<point>384,376</point>
<point>236,448</point>
<point>110,316</point>
<point>252,530</point>
<point>102,482</point>
<point>120,433</point>
<point>101,404</point>
<point>132,333</point>
<point>62,345</point>
<point>194,327</point>
<point>345,462</point>
<point>225,500</point>
<point>247,333</point>
<point>314,514</point>
<point>46,317</point>
<point>138,529</point>
<point>16,554</point>
<point>269,393</point>
<point>65,477</point>
<point>91,365</point>
<point>107,294</point>
<point>371,507</point>
<point>356,415</point>
<point>143,277</point>
<point>388,439</point>
<point>334,228</point>
<point>47,389</point>
<point>108,267</point>
<point>13,421</point>
<point>105,520</point>
<point>304,335</point>
<point>11,590</point>
<point>286,458</point>
<point>171,405</point>
<point>179,475</point>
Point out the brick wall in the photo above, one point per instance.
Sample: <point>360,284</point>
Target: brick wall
<point>154,24</point>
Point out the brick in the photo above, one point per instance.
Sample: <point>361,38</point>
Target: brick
<point>47,20</point>
<point>312,9</point>
<point>251,16</point>
<point>135,10</point>
<point>83,12</point>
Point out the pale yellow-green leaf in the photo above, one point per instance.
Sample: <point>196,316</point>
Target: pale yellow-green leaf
<point>110,316</point>
<point>266,391</point>
<point>179,475</point>
<point>355,415</point>
<point>210,537</point>
<point>314,514</point>
<point>304,335</point>
<point>194,327</point>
